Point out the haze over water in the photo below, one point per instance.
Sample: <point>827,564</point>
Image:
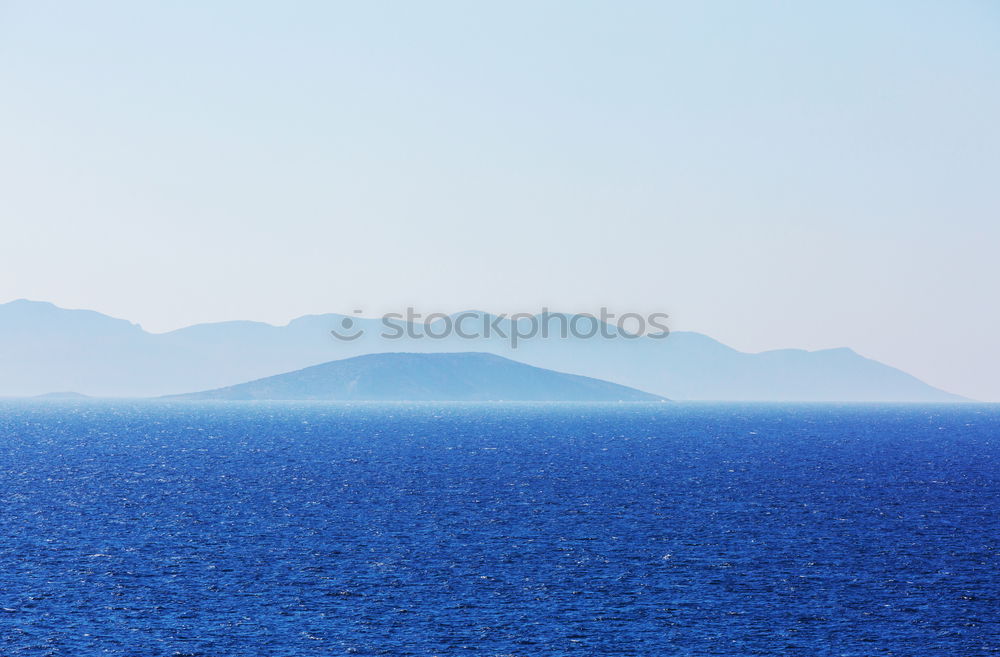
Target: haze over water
<point>498,529</point>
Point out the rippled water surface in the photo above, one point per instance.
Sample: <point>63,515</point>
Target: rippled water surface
<point>140,529</point>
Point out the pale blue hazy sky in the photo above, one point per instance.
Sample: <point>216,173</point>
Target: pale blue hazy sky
<point>774,174</point>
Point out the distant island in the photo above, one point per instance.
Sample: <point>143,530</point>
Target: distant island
<point>426,377</point>
<point>63,395</point>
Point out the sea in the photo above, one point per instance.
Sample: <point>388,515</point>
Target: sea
<point>183,529</point>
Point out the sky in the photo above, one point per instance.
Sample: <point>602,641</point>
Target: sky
<point>772,174</point>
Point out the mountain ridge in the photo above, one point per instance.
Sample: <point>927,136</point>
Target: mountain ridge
<point>45,348</point>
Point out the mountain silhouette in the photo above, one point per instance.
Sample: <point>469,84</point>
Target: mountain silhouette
<point>45,348</point>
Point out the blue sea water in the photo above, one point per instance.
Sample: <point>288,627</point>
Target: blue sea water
<point>142,529</point>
